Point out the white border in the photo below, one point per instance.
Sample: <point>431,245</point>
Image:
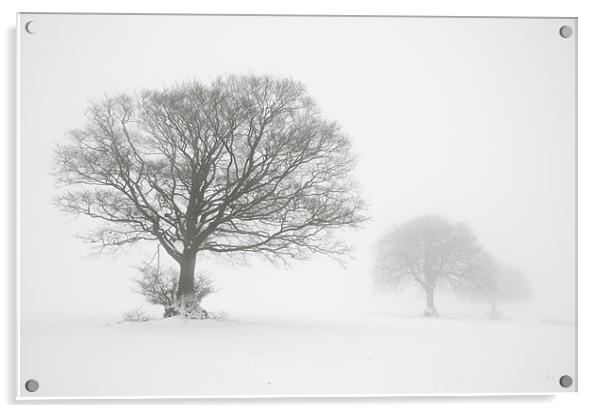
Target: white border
<point>18,204</point>
<point>18,397</point>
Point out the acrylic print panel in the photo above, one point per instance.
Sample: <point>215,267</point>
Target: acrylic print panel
<point>296,205</point>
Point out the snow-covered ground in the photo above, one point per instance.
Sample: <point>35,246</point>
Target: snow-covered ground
<point>259,355</point>
<point>314,329</point>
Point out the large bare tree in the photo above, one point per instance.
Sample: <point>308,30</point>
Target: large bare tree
<point>243,165</point>
<point>434,252</point>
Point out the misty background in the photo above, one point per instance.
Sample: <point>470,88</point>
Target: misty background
<point>435,131</point>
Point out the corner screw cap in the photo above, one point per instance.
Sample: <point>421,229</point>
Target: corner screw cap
<point>32,385</point>
<point>566,381</point>
<point>566,31</point>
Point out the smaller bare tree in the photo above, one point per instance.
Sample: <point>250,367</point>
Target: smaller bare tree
<point>510,285</point>
<point>160,287</point>
<point>434,252</point>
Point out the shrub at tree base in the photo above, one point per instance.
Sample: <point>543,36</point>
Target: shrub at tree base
<point>170,312</point>
<point>190,308</point>
<point>159,286</point>
<point>136,315</point>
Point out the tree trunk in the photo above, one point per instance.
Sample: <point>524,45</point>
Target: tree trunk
<point>187,303</point>
<point>494,313</point>
<point>186,280</point>
<point>430,310</point>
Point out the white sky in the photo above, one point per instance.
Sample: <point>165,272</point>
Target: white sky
<point>472,119</point>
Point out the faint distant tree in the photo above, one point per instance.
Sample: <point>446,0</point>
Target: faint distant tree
<point>433,253</point>
<point>509,285</point>
<point>243,165</point>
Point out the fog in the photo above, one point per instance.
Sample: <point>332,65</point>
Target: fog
<point>487,141</point>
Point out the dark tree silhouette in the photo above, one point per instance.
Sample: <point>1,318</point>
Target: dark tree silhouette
<point>509,285</point>
<point>433,253</point>
<point>244,165</point>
